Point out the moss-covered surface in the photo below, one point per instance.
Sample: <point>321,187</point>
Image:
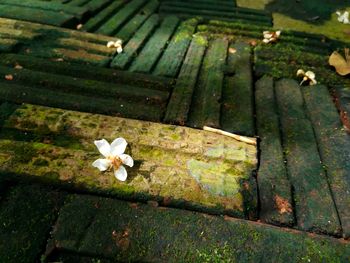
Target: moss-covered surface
<point>179,166</point>
<point>311,190</point>
<point>132,232</point>
<point>27,213</point>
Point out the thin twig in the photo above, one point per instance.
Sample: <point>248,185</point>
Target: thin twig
<point>240,138</point>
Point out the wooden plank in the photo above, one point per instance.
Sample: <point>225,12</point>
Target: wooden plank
<point>315,209</point>
<point>171,60</point>
<point>238,108</point>
<point>121,61</point>
<point>37,15</point>
<point>86,72</point>
<point>174,235</point>
<point>96,21</point>
<point>274,187</point>
<point>149,55</point>
<point>84,86</point>
<point>95,6</point>
<point>205,108</point>
<point>27,214</point>
<point>114,23</point>
<point>78,12</point>
<point>8,44</point>
<point>133,25</point>
<point>180,101</point>
<point>111,106</point>
<point>334,147</point>
<point>204,178</point>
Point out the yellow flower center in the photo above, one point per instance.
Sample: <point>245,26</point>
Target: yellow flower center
<point>115,161</point>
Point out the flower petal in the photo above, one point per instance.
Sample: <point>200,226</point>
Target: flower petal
<point>104,147</point>
<point>127,160</point>
<point>118,146</point>
<point>310,74</point>
<point>102,164</point>
<point>121,174</point>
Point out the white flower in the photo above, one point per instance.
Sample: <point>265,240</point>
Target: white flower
<point>116,44</point>
<point>270,36</point>
<point>343,18</point>
<point>307,76</point>
<point>115,157</point>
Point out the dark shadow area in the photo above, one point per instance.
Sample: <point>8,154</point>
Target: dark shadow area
<point>314,11</point>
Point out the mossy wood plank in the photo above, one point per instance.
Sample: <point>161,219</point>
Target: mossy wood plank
<point>216,6</point>
<point>110,106</point>
<point>227,4</point>
<point>17,34</point>
<point>274,187</point>
<point>86,72</point>
<point>314,206</point>
<point>96,21</point>
<point>334,147</point>
<point>211,14</point>
<point>98,89</point>
<point>171,60</point>
<point>179,166</point>
<point>113,24</point>
<point>211,29</point>
<point>121,61</point>
<point>96,5</point>
<point>70,55</point>
<point>77,2</point>
<point>131,27</point>
<point>26,215</point>
<point>342,94</point>
<point>180,101</point>
<point>8,45</point>
<point>37,15</point>
<point>237,107</point>
<point>153,49</point>
<point>205,108</point>
<point>51,6</point>
<point>137,232</point>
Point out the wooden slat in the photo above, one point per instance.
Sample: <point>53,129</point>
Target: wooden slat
<point>315,209</point>
<point>334,147</point>
<point>274,186</point>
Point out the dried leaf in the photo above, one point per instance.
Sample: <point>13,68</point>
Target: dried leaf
<point>9,77</point>
<point>341,64</point>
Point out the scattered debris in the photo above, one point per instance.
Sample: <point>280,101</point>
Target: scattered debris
<point>240,138</point>
<point>283,205</point>
<point>307,76</point>
<point>116,44</point>
<point>115,157</point>
<point>9,77</point>
<point>270,36</point>
<point>341,64</point>
<point>343,18</point>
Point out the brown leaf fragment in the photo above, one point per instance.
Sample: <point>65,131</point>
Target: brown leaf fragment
<point>341,64</point>
<point>283,205</point>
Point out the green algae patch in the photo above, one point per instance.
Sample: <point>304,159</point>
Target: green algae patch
<point>174,165</point>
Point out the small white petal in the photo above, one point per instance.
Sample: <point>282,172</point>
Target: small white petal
<point>310,74</point>
<point>127,160</point>
<point>104,147</point>
<point>121,174</point>
<point>266,41</point>
<point>300,72</point>
<point>118,146</point>
<point>110,44</point>
<point>119,49</point>
<point>338,13</point>
<point>278,33</point>
<point>101,164</point>
<point>119,42</point>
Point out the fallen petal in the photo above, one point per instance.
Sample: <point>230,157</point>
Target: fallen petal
<point>121,174</point>
<point>118,146</point>
<point>127,160</point>
<point>102,164</point>
<point>104,147</point>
